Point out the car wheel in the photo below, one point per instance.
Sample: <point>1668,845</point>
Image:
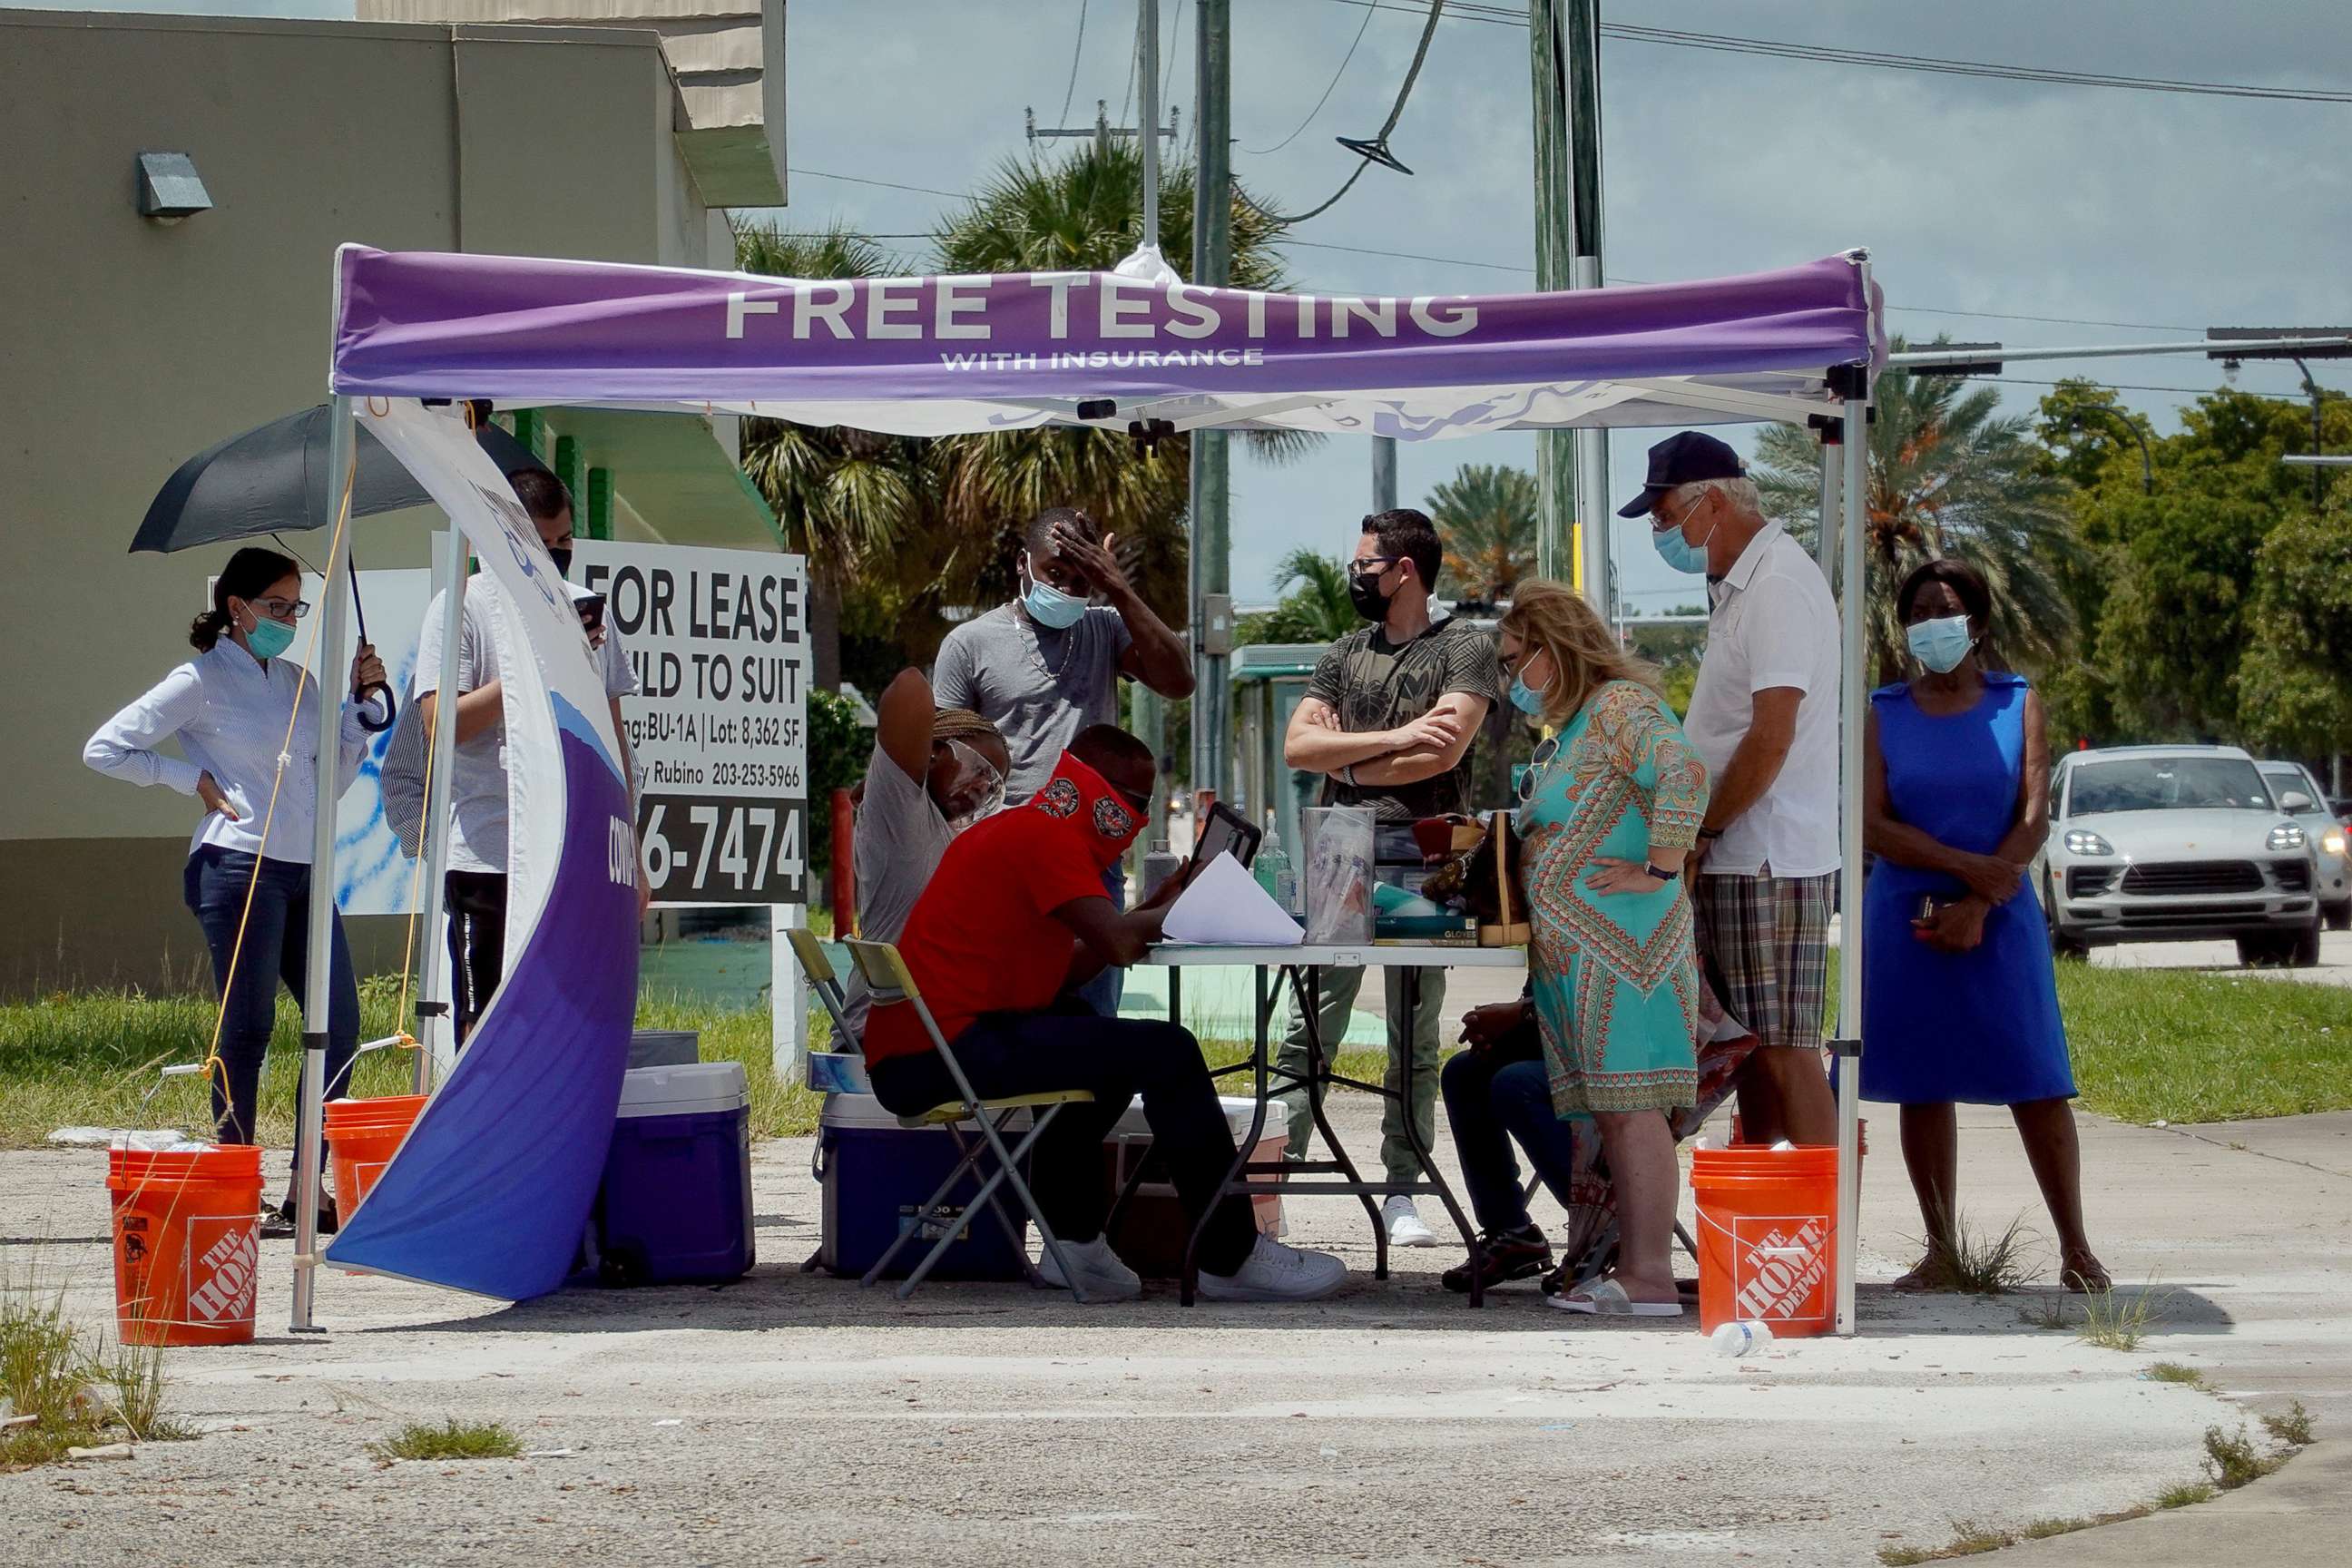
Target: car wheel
<point>2339,916</point>
<point>2071,948</point>
<point>2258,951</point>
<point>2305,953</point>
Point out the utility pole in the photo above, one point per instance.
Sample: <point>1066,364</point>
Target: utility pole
<point>1384,494</point>
<point>1150,713</point>
<point>1213,260</point>
<point>1571,467</point>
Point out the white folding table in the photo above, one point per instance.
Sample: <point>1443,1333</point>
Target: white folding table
<point>1303,967</point>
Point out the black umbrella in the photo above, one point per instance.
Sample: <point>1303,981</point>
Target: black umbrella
<point>275,478</point>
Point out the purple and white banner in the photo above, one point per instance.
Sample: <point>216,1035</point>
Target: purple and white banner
<point>929,354</point>
<point>490,1190</point>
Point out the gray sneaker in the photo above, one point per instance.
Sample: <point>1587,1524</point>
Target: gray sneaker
<point>1101,1273</point>
<point>1273,1272</point>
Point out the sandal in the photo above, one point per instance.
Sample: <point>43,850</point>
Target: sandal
<point>1607,1299</point>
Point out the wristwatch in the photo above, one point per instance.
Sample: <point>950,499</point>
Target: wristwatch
<point>1710,833</point>
<point>1660,872</point>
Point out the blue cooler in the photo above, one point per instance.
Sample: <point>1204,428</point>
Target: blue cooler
<point>676,1205</point>
<point>876,1175</point>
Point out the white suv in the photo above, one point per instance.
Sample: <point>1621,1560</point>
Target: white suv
<point>2176,844</point>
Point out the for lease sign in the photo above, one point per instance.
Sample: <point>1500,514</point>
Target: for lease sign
<point>718,641</point>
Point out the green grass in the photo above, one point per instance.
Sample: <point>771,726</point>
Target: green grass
<point>80,1395</point>
<point>85,1059</point>
<point>2173,1371</point>
<point>2117,1322</point>
<point>452,1439</point>
<point>2180,1046</point>
<point>2149,1045</point>
<point>2186,1494</point>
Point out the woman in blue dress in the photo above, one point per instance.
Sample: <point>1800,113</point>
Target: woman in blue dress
<point>1959,1003</point>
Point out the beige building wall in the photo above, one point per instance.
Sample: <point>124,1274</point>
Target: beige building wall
<point>128,346</point>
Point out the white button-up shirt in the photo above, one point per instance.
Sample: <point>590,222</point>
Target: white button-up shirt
<point>1774,624</point>
<point>229,711</point>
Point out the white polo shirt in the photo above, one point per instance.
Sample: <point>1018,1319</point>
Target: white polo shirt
<point>1774,624</point>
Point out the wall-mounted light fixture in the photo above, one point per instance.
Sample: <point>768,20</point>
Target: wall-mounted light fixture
<point>170,188</point>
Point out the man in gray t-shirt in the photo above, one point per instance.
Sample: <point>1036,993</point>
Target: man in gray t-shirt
<point>1046,666</point>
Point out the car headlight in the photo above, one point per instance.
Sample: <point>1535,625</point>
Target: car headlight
<point>2287,836</point>
<point>2079,842</point>
<point>2332,841</point>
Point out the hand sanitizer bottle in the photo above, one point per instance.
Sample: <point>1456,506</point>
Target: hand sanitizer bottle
<point>1274,872</point>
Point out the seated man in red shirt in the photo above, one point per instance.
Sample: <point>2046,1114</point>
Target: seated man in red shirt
<point>1014,920</point>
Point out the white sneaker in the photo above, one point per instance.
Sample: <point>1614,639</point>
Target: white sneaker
<point>1403,1222</point>
<point>1273,1272</point>
<point>1101,1272</point>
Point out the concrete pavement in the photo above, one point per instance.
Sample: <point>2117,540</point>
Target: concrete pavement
<point>792,1418</point>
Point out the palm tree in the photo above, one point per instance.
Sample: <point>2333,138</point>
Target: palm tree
<point>1080,213</point>
<point>848,497</point>
<point>1948,477</point>
<point>1486,515</point>
<point>1314,605</point>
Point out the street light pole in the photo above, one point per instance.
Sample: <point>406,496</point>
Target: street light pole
<point>2146,461</point>
<point>2318,441</point>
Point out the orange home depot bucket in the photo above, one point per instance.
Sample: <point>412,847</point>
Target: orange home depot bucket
<point>362,1135</point>
<point>187,1241</point>
<point>1766,1237</point>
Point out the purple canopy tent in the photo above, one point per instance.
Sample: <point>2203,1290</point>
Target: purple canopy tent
<point>1134,348</point>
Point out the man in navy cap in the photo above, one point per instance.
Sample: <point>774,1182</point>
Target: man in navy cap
<point>1764,714</point>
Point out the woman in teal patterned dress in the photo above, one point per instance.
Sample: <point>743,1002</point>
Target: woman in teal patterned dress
<point>1610,808</point>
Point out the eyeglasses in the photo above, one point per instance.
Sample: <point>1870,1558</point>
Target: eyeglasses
<point>1371,565</point>
<point>282,609</point>
<point>1659,521</point>
<point>1546,750</point>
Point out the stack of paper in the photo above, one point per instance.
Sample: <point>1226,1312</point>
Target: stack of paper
<point>1225,907</point>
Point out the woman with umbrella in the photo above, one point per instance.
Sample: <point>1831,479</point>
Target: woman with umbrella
<point>247,722</point>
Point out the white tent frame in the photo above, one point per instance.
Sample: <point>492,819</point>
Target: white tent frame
<point>1758,407</point>
<point>1844,495</point>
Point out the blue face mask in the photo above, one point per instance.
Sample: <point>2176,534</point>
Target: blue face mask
<point>1050,607</point>
<point>1939,644</point>
<point>1677,552</point>
<point>269,638</point>
<point>1526,698</point>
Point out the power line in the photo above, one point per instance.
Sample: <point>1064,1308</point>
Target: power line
<point>1327,92</point>
<point>1615,278</point>
<point>1500,16</point>
<point>886,184</point>
<point>1079,50</point>
<point>1379,139</point>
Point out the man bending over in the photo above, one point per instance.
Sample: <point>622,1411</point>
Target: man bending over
<point>1012,922</point>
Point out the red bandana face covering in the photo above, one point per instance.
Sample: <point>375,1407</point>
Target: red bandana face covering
<point>1102,822</point>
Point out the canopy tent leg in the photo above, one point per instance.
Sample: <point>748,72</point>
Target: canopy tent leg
<point>334,603</point>
<point>438,1031</point>
<point>1825,541</point>
<point>1594,514</point>
<point>1855,610</point>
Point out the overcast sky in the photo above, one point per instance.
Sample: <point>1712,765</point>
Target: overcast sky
<point>1972,194</point>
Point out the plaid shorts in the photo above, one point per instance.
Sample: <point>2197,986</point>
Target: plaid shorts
<point>1766,942</point>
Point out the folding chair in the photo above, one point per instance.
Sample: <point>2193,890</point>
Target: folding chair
<point>889,982</point>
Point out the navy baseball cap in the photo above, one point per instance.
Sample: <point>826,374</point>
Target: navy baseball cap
<point>1680,458</point>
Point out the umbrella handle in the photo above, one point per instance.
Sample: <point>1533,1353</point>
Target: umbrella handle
<point>381,694</point>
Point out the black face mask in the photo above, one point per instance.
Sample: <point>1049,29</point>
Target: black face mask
<point>562,559</point>
<point>1364,593</point>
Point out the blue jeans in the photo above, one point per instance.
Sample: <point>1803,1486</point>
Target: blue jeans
<point>1103,991</point>
<point>1492,1097</point>
<point>276,948</point>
